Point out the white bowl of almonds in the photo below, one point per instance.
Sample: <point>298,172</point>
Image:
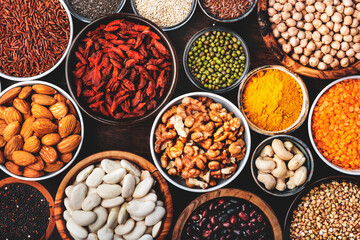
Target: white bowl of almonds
<point>41,130</point>
<point>113,195</point>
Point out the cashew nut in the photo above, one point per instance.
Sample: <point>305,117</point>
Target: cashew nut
<point>280,184</point>
<point>267,151</point>
<point>267,179</point>
<point>290,184</point>
<point>297,161</point>
<point>300,176</point>
<point>280,150</point>
<point>265,164</point>
<point>280,170</point>
<point>288,145</point>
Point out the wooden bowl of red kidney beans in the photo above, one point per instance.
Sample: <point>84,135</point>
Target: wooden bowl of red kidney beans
<point>121,69</point>
<point>227,214</point>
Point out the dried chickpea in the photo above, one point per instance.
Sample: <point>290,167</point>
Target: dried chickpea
<point>323,29</point>
<point>290,22</point>
<point>278,7</point>
<point>345,46</point>
<point>330,10</point>
<point>293,31</point>
<point>309,17</point>
<point>285,35</point>
<point>337,27</point>
<point>316,23</point>
<point>322,66</point>
<point>304,60</point>
<point>345,62</point>
<point>318,54</point>
<point>357,55</point>
<point>294,41</point>
<point>348,38</point>
<point>335,45</point>
<point>298,50</point>
<point>287,48</point>
<point>271,12</point>
<point>287,7</point>
<point>276,33</point>
<point>285,15</point>
<point>350,52</point>
<point>310,9</point>
<point>340,8</point>
<point>324,17</point>
<point>308,26</point>
<point>303,43</point>
<point>335,63</point>
<point>311,46</point>
<point>347,3</point>
<point>281,41</point>
<point>307,52</point>
<point>337,17</point>
<point>297,16</point>
<point>338,37</point>
<point>300,24</point>
<point>295,56</point>
<point>349,11</point>
<point>282,27</point>
<point>325,49</point>
<point>299,6</point>
<point>355,23</point>
<point>316,36</point>
<point>327,39</point>
<point>356,47</point>
<point>313,62</point>
<point>330,25</point>
<point>340,54</point>
<point>328,59</point>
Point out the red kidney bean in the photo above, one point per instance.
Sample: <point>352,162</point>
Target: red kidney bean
<point>252,213</point>
<point>233,219</point>
<point>206,233</point>
<point>243,216</point>
<point>226,224</point>
<point>195,217</point>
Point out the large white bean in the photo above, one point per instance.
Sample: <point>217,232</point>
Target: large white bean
<point>143,187</point>
<point>155,216</point>
<point>128,186</point>
<point>108,190</point>
<point>110,165</point>
<point>137,232</point>
<point>125,228</point>
<point>75,229</point>
<point>112,218</point>
<point>149,197</point>
<point>160,203</point>
<point>66,215</point>
<point>140,208</point>
<point>117,237</point>
<point>105,233</point>
<point>68,190</point>
<point>145,174</point>
<point>92,190</point>
<point>95,177</point>
<point>67,204</point>
<point>115,176</point>
<point>84,173</point>
<point>132,168</point>
<point>146,237</point>
<point>112,202</point>
<point>156,229</point>
<point>78,195</point>
<point>123,215</point>
<point>92,236</point>
<point>83,218</point>
<point>90,202</point>
<point>101,215</point>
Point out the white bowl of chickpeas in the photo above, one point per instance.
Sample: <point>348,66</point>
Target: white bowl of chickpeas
<point>314,38</point>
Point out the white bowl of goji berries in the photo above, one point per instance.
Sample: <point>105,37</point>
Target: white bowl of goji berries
<point>200,142</point>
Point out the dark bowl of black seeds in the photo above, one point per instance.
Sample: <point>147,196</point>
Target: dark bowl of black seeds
<point>26,210</point>
<point>88,10</point>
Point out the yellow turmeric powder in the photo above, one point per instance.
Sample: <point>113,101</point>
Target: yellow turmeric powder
<point>272,100</point>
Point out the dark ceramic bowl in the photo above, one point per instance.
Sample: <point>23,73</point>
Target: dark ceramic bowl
<point>85,19</point>
<point>298,198</point>
<point>194,80</point>
<point>71,62</point>
<point>309,164</point>
<point>211,16</point>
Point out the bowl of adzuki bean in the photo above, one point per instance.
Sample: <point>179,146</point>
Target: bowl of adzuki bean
<point>327,209</point>
<point>26,210</point>
<point>121,69</point>
<point>35,38</point>
<point>227,214</point>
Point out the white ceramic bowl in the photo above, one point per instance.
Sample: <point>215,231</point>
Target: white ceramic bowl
<point>65,94</point>
<point>177,181</point>
<point>327,162</point>
<point>58,63</point>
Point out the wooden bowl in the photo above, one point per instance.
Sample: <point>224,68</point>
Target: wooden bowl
<point>276,49</point>
<point>45,193</point>
<point>228,192</point>
<point>142,163</point>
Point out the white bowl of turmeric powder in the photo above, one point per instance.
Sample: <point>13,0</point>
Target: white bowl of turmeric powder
<point>273,100</point>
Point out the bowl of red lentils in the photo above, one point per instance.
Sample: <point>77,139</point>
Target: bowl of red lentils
<point>334,125</point>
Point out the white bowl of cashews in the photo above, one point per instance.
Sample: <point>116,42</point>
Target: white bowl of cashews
<point>282,165</point>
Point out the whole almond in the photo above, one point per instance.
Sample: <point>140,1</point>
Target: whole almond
<point>2,109</point>
<point>43,99</point>
<point>25,92</point>
<point>67,125</point>
<point>77,129</point>
<point>2,141</point>
<point>43,126</point>
<point>26,129</point>
<point>48,154</point>
<point>53,167</point>
<point>71,108</point>
<point>2,158</point>
<point>38,165</point>
<point>9,95</point>
<point>12,115</point>
<point>59,97</point>
<point>32,145</point>
<point>31,173</point>
<point>39,111</point>
<point>21,105</point>
<point>69,144</point>
<point>59,110</point>
<point>12,167</point>
<point>43,89</point>
<point>3,125</point>
<point>51,139</point>
<point>16,143</point>
<point>23,158</point>
<point>66,157</point>
<point>11,130</point>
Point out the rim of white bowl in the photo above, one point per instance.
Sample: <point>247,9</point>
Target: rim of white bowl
<point>65,94</point>
<point>241,163</point>
<point>20,79</point>
<point>327,162</point>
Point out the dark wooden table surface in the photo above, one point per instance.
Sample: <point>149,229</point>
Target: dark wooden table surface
<point>100,137</point>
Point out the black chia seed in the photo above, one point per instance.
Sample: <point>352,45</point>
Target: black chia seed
<point>24,212</point>
<point>94,8</point>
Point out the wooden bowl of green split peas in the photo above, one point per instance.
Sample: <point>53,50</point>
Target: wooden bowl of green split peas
<point>216,59</point>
